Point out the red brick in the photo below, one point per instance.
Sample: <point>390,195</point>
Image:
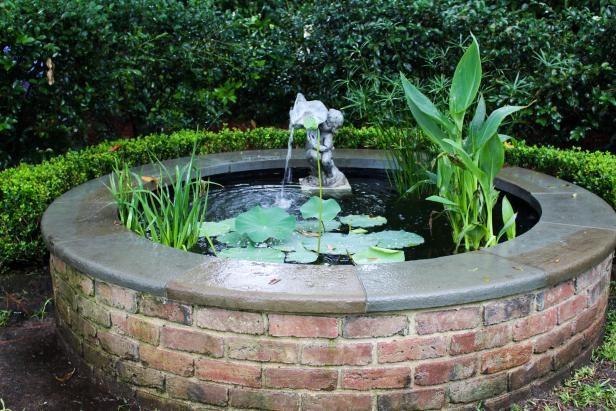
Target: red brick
<point>505,310</point>
<point>118,345</point>
<point>585,319</point>
<point>263,399</point>
<point>552,339</point>
<point>226,320</point>
<point>80,282</point>
<point>93,311</point>
<point>374,326</point>
<point>557,294</point>
<point>63,309</point>
<point>166,360</point>
<point>447,320</point>
<point>588,278</point>
<point>505,358</point>
<point>336,402</point>
<point>166,309</point>
<point>302,326</point>
<point>143,329</point>
<point>119,320</point>
<point>477,389</point>
<point>228,372</point>
<point>117,297</point>
<point>199,391</point>
<point>83,327</point>
<point>531,371</point>
<point>489,337</point>
<point>571,308</point>
<point>534,324</point>
<point>135,374</point>
<point>417,348</point>
<point>370,378</point>
<point>597,291</point>
<point>420,399</point>
<point>254,349</point>
<point>300,378</point>
<point>337,354</point>
<point>594,332</point>
<point>569,352</point>
<point>186,339</point>
<point>99,360</point>
<point>438,372</point>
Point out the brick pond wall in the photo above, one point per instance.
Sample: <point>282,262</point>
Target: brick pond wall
<point>181,356</point>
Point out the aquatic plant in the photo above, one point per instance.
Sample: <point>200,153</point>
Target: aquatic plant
<point>469,157</point>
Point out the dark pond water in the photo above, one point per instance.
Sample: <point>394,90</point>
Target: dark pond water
<point>372,195</point>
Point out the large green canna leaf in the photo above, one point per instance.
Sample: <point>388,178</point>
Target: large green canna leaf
<point>465,82</point>
<point>492,157</point>
<point>490,126</point>
<point>478,119</point>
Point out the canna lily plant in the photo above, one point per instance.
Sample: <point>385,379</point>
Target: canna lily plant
<point>470,155</point>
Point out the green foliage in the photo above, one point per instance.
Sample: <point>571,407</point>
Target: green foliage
<point>41,313</point>
<point>583,390</point>
<point>469,157</point>
<point>167,208</point>
<point>607,350</point>
<point>5,316</point>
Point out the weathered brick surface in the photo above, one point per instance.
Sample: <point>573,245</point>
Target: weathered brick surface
<point>337,354</point>
<point>417,399</point>
<point>438,372</point>
<point>375,326</point>
<point>447,320</point>
<point>478,388</point>
<point>187,339</point>
<point>505,358</point>
<point>418,348</point>
<point>308,378</point>
<point>302,326</point>
<point>263,399</point>
<point>253,349</point>
<point>482,339</point>
<point>143,329</point>
<point>118,297</point>
<point>199,391</point>
<point>336,402</point>
<point>505,310</point>
<point>163,308</point>
<point>371,378</point>
<point>226,320</point>
<point>534,324</point>
<point>182,357</point>
<point>571,308</point>
<point>228,372</point>
<point>167,360</point>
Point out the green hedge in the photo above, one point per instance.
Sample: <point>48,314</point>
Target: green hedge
<point>27,190</point>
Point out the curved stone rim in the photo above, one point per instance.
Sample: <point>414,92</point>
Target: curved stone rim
<point>576,231</point>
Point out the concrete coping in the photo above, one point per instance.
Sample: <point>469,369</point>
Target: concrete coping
<point>575,232</point>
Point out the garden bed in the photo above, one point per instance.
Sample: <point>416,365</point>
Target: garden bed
<point>179,329</point>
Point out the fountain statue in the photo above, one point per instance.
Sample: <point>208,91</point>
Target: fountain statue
<point>320,124</point>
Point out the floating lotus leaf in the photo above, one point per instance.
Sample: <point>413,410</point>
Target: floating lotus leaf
<point>362,220</point>
<point>358,231</point>
<point>302,256</point>
<point>233,239</point>
<point>264,255</point>
<point>378,255</point>
<point>312,226</point>
<point>310,209</point>
<point>260,223</point>
<point>293,243</point>
<point>216,228</point>
<point>340,244</point>
<point>397,239</point>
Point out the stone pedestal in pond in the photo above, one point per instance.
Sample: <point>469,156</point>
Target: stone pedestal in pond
<point>182,331</point>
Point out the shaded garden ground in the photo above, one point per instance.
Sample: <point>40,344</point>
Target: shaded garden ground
<point>36,375</point>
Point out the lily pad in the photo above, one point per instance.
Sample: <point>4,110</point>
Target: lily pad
<point>302,256</point>
<point>293,243</point>
<point>216,228</point>
<point>363,220</point>
<point>260,223</point>
<point>397,239</point>
<point>310,209</point>
<point>340,244</point>
<point>378,255</point>
<point>233,239</point>
<point>265,255</point>
<point>312,226</point>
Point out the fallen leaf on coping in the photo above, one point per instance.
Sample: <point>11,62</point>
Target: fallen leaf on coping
<point>517,268</point>
<point>65,377</point>
<point>274,281</point>
<point>474,269</point>
<point>149,179</point>
<point>557,260</point>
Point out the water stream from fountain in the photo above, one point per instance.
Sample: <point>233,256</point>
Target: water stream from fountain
<point>281,201</point>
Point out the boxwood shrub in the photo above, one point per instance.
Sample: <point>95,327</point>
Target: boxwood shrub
<point>27,190</point>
